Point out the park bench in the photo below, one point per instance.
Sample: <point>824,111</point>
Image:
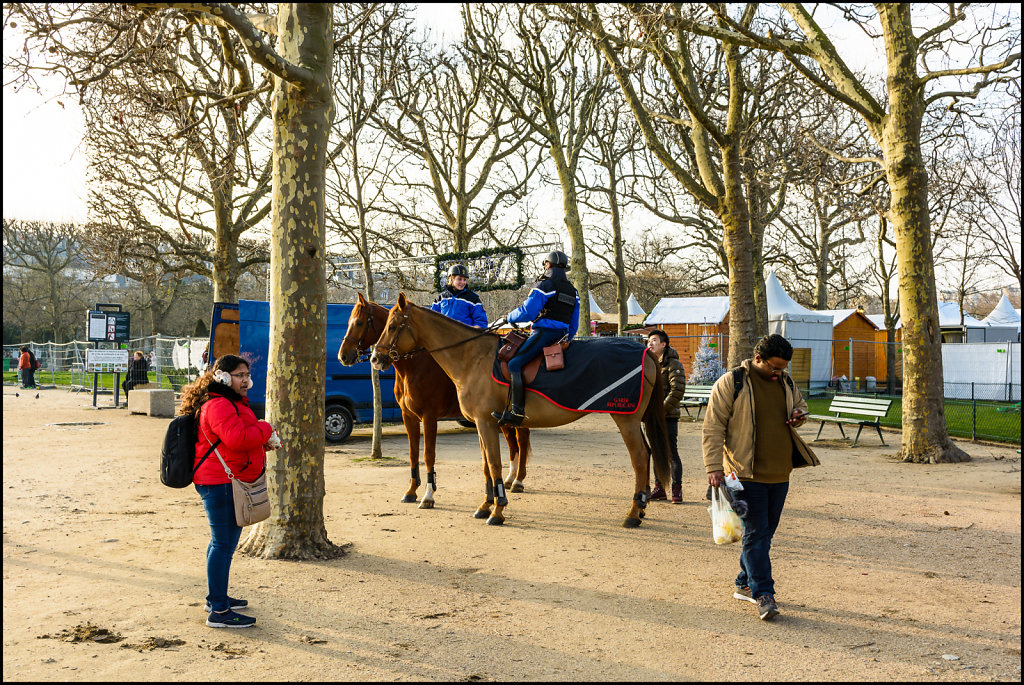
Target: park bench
<point>866,411</point>
<point>695,396</point>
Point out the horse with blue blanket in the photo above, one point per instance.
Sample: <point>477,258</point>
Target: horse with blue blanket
<point>632,393</point>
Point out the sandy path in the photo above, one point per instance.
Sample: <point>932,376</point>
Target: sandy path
<point>876,581</point>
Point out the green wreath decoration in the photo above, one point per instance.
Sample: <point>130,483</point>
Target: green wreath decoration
<point>489,269</point>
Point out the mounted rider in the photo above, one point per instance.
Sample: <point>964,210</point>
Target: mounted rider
<point>553,307</point>
<point>458,302</point>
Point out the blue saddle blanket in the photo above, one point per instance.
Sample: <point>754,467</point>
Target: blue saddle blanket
<point>600,375</point>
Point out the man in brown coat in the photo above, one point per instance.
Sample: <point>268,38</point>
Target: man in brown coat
<point>749,428</point>
<point>675,386</point>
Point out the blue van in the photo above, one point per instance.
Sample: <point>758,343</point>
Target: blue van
<point>244,329</point>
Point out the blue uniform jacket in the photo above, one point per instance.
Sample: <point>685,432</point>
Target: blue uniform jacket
<point>462,305</point>
<point>535,302</point>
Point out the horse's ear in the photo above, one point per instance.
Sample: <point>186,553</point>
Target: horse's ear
<point>362,300</point>
<point>402,302</point>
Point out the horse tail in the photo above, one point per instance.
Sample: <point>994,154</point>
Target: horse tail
<point>655,428</point>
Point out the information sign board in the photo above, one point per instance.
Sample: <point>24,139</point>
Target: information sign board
<point>106,361</point>
<point>108,326</point>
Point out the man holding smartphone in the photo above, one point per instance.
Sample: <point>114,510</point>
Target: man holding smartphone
<point>749,428</point>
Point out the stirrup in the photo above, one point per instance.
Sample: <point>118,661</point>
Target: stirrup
<point>509,417</point>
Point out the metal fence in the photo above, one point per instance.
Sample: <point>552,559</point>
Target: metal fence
<point>173,362</point>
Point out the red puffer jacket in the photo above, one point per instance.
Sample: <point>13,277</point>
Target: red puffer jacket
<point>242,438</point>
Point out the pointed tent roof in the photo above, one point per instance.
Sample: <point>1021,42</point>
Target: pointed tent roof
<point>949,317</point>
<point>595,308</point>
<point>633,307</point>
<point>841,315</point>
<point>1003,314</point>
<point>782,306</point>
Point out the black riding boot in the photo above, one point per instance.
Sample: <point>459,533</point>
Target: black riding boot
<point>513,414</point>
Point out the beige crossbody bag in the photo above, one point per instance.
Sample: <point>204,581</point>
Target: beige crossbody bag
<point>252,501</point>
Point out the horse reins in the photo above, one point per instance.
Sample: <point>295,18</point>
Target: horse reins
<point>363,352</point>
<point>394,356</point>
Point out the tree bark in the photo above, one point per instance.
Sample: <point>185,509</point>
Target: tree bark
<point>578,273</point>
<point>925,436</point>
<point>302,116</point>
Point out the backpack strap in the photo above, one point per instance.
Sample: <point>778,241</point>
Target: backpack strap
<point>213,446</point>
<point>737,382</point>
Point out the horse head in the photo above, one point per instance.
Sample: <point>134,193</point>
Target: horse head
<point>361,333</point>
<point>398,339</point>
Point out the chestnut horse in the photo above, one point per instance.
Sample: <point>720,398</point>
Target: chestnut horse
<point>466,354</point>
<point>425,395</point>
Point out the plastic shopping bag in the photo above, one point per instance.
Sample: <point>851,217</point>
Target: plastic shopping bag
<point>725,524</point>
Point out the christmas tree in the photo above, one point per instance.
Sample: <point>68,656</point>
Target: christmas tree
<point>707,365</point>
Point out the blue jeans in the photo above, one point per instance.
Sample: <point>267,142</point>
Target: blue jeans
<point>220,510</point>
<point>764,507</point>
<point>538,340</point>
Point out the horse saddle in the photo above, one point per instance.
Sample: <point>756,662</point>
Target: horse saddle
<point>552,355</point>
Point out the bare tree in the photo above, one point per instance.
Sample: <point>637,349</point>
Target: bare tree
<point>552,80</point>
<point>913,83</point>
<point>49,251</point>
<point>472,150</point>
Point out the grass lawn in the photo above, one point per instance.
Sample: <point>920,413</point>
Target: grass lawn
<point>991,423</point>
<point>106,380</point>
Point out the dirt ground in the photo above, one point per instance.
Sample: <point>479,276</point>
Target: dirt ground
<point>884,571</point>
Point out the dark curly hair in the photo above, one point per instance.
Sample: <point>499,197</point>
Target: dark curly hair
<point>199,392</point>
<point>774,345</point>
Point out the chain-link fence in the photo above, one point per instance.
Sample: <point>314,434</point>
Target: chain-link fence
<point>173,362</point>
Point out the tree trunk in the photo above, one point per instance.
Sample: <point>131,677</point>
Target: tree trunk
<point>578,273</point>
<point>621,296</point>
<point>739,249</point>
<point>298,324</point>
<point>925,437</point>
<point>755,202</point>
<point>376,452</point>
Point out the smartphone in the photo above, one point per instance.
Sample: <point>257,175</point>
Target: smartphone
<point>797,417</point>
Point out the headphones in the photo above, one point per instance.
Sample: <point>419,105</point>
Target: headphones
<point>222,377</point>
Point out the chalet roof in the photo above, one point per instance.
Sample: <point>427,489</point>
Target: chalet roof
<point>841,315</point>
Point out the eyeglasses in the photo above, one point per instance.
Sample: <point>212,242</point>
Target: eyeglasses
<point>243,376</point>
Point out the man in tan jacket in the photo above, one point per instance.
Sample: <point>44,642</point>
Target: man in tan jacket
<point>749,428</point>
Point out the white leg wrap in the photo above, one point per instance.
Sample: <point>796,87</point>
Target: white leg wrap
<point>428,493</point>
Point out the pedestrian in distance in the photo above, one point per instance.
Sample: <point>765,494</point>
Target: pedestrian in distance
<point>138,372</point>
<point>27,365</point>
<point>553,310</point>
<point>750,429</point>
<point>675,387</point>
<point>458,302</point>
<point>218,397</point>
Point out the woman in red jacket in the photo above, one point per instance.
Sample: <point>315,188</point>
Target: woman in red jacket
<point>224,414</point>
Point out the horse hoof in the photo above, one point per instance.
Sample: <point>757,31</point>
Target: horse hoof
<point>427,504</point>
<point>643,513</point>
<point>481,514</point>
<point>409,499</point>
<point>495,521</point>
<point>631,523</point>
<point>517,487</point>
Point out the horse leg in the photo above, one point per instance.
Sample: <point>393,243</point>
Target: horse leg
<point>513,455</point>
<point>412,430</point>
<point>491,451</point>
<point>523,438</point>
<point>629,427</point>
<point>429,444</point>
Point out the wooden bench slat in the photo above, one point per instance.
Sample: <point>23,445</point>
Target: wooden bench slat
<point>860,407</point>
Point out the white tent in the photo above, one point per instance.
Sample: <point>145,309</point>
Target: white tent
<point>803,328</point>
<point>971,330</point>
<point>1003,316</point>
<point>698,310</point>
<point>633,307</point>
<point>595,308</point>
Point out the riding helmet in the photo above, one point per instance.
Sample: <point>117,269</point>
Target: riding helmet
<point>560,259</point>
<point>458,270</point>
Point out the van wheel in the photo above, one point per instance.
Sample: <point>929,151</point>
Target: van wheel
<point>465,423</point>
<point>338,423</point>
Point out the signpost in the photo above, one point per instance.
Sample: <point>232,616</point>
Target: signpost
<point>104,326</point>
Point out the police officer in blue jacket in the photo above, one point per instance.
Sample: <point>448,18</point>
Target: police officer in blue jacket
<point>458,302</point>
<point>554,308</point>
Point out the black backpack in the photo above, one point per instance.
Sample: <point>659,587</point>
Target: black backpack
<point>179,452</point>
<point>737,381</point>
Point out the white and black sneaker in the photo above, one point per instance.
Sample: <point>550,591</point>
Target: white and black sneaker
<point>744,594</point>
<point>229,619</point>
<point>767,609</point>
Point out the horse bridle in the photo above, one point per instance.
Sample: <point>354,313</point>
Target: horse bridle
<point>395,356</point>
<point>363,352</point>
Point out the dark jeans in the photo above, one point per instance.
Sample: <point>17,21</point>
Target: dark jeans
<point>28,378</point>
<point>538,340</point>
<point>764,507</point>
<point>220,511</point>
<point>673,438</point>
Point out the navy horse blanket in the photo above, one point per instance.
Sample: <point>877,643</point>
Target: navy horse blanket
<point>600,375</point>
